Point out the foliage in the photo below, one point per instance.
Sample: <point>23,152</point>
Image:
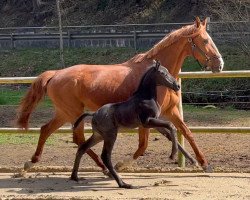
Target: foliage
<point>32,62</point>
<point>77,12</point>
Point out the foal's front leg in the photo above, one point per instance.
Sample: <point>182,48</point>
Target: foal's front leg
<point>167,133</point>
<point>171,135</point>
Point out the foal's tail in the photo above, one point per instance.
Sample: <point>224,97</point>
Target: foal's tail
<point>80,119</point>
<point>36,92</point>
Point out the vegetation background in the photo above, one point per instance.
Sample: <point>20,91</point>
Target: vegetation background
<point>31,62</point>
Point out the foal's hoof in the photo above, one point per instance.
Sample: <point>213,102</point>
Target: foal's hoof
<point>172,157</point>
<point>127,186</point>
<point>107,173</point>
<point>74,178</point>
<point>208,169</point>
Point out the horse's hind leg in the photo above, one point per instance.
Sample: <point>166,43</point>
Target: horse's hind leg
<point>83,148</point>
<point>78,138</point>
<point>143,142</point>
<point>45,132</point>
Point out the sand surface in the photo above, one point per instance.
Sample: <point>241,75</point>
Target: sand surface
<point>94,185</point>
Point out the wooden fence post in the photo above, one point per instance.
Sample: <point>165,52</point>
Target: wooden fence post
<point>60,33</point>
<point>69,39</point>
<point>135,39</point>
<point>12,41</point>
<point>209,26</point>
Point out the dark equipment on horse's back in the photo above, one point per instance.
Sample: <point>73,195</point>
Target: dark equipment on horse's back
<point>142,109</point>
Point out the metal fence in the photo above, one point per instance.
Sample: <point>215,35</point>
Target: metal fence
<point>127,35</point>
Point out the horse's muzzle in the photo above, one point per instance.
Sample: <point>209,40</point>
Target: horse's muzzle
<point>176,86</point>
<point>217,65</point>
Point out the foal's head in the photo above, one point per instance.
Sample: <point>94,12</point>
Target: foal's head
<point>164,78</point>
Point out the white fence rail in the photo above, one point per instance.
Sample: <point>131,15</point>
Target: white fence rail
<point>202,74</point>
<point>182,75</point>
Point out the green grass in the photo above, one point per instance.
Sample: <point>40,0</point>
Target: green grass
<point>16,138</point>
<point>193,116</point>
<point>12,96</point>
<point>217,116</point>
<point>32,62</point>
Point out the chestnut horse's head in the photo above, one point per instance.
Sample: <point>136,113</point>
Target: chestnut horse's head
<point>188,40</point>
<point>203,48</point>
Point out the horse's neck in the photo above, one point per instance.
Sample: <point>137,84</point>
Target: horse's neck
<point>173,56</point>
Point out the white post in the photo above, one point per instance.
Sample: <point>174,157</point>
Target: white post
<point>181,157</point>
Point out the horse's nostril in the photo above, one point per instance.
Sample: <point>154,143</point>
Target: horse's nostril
<point>178,86</point>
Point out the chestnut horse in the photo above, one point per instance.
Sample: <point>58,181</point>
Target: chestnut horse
<point>74,88</point>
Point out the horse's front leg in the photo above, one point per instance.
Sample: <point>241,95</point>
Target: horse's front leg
<point>174,117</point>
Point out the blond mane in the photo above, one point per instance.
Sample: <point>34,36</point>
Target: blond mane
<point>168,40</point>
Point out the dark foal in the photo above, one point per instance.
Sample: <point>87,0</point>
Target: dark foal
<point>141,109</point>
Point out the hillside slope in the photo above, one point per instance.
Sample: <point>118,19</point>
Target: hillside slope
<point>77,12</point>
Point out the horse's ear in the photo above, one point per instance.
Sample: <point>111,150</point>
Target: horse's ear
<point>197,22</point>
<point>157,65</point>
<point>204,23</point>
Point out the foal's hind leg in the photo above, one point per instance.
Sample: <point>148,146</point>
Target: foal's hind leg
<point>45,132</point>
<point>78,138</point>
<point>109,140</point>
<point>83,148</point>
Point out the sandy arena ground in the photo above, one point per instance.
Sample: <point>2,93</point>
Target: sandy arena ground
<point>150,186</point>
<point>50,177</point>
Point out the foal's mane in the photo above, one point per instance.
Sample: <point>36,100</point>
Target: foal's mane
<point>169,39</point>
<point>146,74</point>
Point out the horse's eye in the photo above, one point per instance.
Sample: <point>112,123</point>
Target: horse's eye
<point>206,41</point>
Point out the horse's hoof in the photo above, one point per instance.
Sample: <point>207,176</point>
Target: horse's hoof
<point>119,166</point>
<point>122,165</point>
<point>208,169</point>
<point>127,186</point>
<point>21,174</point>
<point>35,159</point>
<point>28,165</point>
